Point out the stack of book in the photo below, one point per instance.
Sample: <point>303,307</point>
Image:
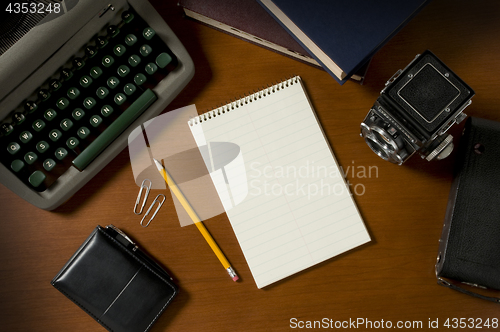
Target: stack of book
<point>339,36</point>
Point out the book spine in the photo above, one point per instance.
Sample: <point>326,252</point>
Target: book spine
<point>243,101</point>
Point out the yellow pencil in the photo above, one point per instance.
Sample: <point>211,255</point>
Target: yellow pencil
<point>196,220</point>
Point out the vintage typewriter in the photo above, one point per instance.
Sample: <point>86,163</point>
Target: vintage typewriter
<point>76,77</point>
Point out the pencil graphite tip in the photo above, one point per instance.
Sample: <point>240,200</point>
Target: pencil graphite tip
<point>158,164</point>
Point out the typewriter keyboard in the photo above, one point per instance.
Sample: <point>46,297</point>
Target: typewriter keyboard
<point>83,107</point>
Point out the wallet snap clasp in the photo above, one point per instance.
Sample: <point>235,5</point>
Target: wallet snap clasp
<point>122,234</point>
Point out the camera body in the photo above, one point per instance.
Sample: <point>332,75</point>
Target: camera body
<point>415,110</point>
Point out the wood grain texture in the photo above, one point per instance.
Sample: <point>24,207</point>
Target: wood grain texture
<point>392,278</point>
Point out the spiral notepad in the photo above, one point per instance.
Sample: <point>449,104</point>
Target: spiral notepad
<point>283,191</point>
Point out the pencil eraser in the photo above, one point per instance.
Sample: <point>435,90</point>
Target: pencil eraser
<point>235,278</point>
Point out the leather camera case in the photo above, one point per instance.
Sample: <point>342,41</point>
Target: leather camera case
<point>469,245</point>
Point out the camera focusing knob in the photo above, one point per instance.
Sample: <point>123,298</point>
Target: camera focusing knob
<point>443,150</point>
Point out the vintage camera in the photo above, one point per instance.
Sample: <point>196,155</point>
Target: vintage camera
<point>415,110</point>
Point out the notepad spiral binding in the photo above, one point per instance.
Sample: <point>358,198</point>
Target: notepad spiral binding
<point>244,100</point>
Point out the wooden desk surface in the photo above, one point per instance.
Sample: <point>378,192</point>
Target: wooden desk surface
<point>390,279</point>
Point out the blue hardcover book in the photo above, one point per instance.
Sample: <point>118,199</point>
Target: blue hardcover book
<point>342,35</point>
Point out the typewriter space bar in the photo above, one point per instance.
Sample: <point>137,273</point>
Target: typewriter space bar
<point>114,130</point>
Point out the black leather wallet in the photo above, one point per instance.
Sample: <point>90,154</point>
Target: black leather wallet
<point>468,250</point>
<point>115,282</point>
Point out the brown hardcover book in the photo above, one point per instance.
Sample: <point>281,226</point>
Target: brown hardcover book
<point>247,20</point>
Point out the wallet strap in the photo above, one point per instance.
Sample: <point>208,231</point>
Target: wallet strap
<point>450,285</point>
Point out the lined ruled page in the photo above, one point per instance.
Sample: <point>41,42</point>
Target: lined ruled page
<point>297,211</point>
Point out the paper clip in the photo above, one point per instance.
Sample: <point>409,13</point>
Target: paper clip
<point>154,214</point>
<point>148,188</point>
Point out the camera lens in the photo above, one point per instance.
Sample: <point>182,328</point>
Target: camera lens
<point>381,143</point>
<point>377,148</point>
<point>375,141</point>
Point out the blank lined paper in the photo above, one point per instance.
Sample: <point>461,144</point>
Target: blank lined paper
<point>284,194</point>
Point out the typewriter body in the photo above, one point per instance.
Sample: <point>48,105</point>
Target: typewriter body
<point>74,82</point>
